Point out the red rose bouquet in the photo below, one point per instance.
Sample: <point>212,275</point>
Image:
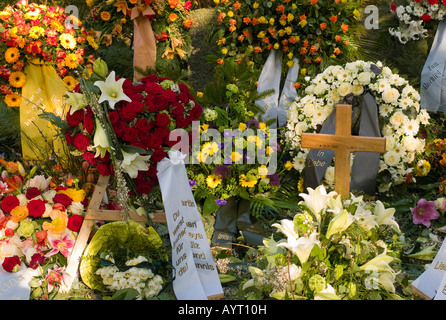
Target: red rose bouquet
<point>123,128</point>
<point>30,31</point>
<point>38,223</point>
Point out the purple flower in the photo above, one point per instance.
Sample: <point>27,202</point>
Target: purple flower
<point>274,179</point>
<point>220,202</point>
<point>192,183</point>
<point>424,212</point>
<point>222,171</point>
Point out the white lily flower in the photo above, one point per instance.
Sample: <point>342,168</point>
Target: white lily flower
<point>380,263</point>
<point>134,162</point>
<point>340,223</point>
<point>111,90</point>
<point>101,140</point>
<point>39,181</point>
<point>287,228</point>
<point>317,200</point>
<point>77,101</point>
<point>385,216</point>
<point>329,293</point>
<point>302,246</point>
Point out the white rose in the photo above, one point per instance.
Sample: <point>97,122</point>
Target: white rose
<point>390,95</point>
<point>309,89</point>
<point>392,158</point>
<point>357,89</point>
<point>344,89</point>
<point>364,78</point>
<point>319,89</point>
<point>398,118</point>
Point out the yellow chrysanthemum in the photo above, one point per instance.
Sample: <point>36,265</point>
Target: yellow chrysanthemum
<point>17,79</point>
<point>213,181</point>
<point>70,82</point>
<point>245,181</point>
<point>71,61</point>
<point>57,25</point>
<point>12,55</point>
<point>105,15</point>
<point>36,32</point>
<point>67,41</point>
<point>13,100</point>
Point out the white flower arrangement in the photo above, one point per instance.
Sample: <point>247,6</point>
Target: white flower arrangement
<point>413,16</point>
<point>141,279</point>
<point>400,116</point>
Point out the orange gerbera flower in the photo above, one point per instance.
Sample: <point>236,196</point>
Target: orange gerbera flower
<point>59,221</point>
<point>12,55</point>
<point>13,100</point>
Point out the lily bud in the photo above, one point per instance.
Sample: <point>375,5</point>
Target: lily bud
<point>100,68</point>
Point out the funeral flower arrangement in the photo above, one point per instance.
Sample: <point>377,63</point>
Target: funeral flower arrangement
<point>125,256</point>
<point>400,116</point>
<point>234,154</point>
<point>32,33</point>
<point>38,225</point>
<point>123,128</point>
<point>171,22</point>
<point>413,16</point>
<point>331,249</point>
<point>316,32</point>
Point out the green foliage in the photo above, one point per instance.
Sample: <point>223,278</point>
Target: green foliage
<point>9,131</point>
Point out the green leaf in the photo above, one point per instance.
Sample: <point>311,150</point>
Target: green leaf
<point>210,206</point>
<point>125,294</point>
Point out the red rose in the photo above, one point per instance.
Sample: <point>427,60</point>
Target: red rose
<point>425,17</point>
<point>76,118</point>
<point>119,127</point>
<point>183,88</point>
<point>11,264</point>
<point>155,142</point>
<point>196,111</point>
<point>183,97</point>
<point>158,155</point>
<point>144,125</point>
<point>131,135</point>
<point>36,208</point>
<point>144,186</point>
<point>162,120</point>
<point>81,141</point>
<point>62,199</point>
<point>75,222</point>
<point>177,109</point>
<point>150,78</point>
<point>36,260</point>
<point>89,156</point>
<point>127,113</point>
<point>9,203</point>
<point>160,103</point>
<point>154,88</point>
<point>103,169</point>
<point>113,116</point>
<point>88,121</point>
<point>32,193</point>
<point>170,95</point>
<point>161,132</point>
<point>68,137</point>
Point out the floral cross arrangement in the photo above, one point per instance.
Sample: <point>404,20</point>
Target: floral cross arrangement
<point>400,116</point>
<point>316,32</point>
<point>30,32</point>
<point>123,128</point>
<point>413,17</point>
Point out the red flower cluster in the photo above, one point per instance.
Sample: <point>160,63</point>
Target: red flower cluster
<point>158,106</point>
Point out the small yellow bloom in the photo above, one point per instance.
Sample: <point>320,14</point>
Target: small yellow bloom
<point>262,125</point>
<point>224,51</point>
<point>255,5</point>
<point>105,15</point>
<point>245,181</point>
<point>288,165</point>
<point>303,23</point>
<point>71,61</point>
<point>70,82</point>
<point>242,126</point>
<point>276,46</point>
<point>213,181</point>
<point>230,14</point>
<point>303,71</point>
<point>236,156</point>
<point>263,172</point>
<point>290,63</point>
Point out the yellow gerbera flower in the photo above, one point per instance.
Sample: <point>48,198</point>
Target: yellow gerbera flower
<point>245,181</point>
<point>67,41</point>
<point>70,82</point>
<point>71,61</point>
<point>105,15</point>
<point>17,79</point>
<point>12,55</point>
<point>13,100</point>
<point>213,181</point>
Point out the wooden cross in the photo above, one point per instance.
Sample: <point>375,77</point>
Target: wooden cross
<point>343,143</point>
<point>92,215</point>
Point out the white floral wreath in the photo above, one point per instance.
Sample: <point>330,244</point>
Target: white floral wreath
<point>413,16</point>
<point>400,116</point>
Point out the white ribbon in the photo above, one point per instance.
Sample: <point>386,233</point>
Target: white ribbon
<point>270,77</point>
<point>195,272</point>
<point>433,77</point>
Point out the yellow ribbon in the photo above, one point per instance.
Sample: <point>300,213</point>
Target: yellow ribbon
<point>144,43</point>
<point>43,91</point>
